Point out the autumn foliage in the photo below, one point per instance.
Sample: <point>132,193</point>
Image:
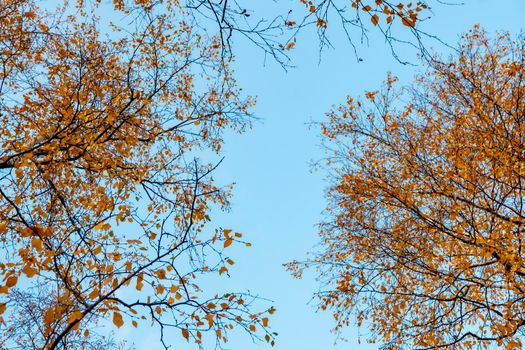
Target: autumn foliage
<point>424,237</point>
<point>378,11</point>
<point>356,19</point>
<point>104,108</point>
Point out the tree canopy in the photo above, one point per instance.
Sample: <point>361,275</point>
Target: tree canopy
<point>109,107</point>
<point>423,240</point>
<point>105,203</point>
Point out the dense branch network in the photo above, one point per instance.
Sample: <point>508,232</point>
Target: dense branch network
<point>105,202</point>
<point>424,235</point>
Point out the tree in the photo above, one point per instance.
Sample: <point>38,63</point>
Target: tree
<point>104,109</point>
<point>424,237</point>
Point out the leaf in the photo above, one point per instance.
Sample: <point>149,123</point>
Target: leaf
<point>11,281</point>
<point>265,321</point>
<point>252,328</point>
<point>36,243</point>
<point>185,334</point>
<point>75,316</point>
<point>228,242</point>
<point>209,318</point>
<point>29,271</point>
<point>407,21</point>
<point>161,273</point>
<point>140,282</point>
<point>160,289</point>
<point>375,19</point>
<point>117,319</point>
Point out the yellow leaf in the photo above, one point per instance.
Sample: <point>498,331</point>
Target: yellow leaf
<point>265,321</point>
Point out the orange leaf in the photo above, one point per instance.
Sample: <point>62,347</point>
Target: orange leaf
<point>29,271</point>
<point>74,316</point>
<point>117,319</point>
<point>11,281</point>
<point>36,243</point>
<point>209,318</point>
<point>228,242</point>
<point>161,273</point>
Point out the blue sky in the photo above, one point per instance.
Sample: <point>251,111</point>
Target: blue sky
<point>277,198</point>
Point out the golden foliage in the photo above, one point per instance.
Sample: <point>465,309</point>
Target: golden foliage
<point>425,233</point>
<point>104,201</point>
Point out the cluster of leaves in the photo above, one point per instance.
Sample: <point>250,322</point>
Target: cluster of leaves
<point>277,34</point>
<point>425,238</point>
<point>104,204</point>
<point>354,16</point>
